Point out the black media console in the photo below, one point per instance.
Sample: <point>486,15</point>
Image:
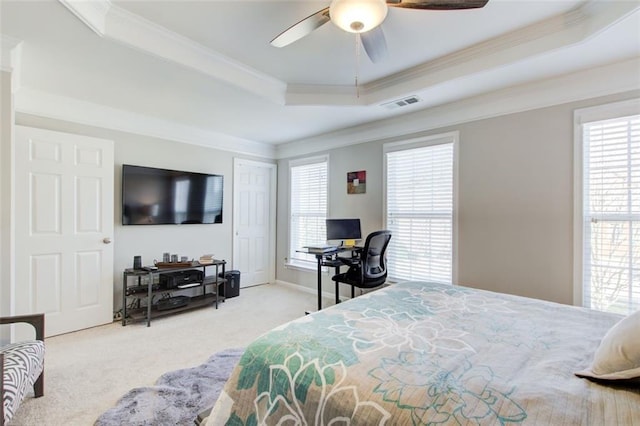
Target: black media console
<point>154,293</point>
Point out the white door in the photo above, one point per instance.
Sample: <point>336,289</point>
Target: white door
<point>254,221</point>
<point>64,226</point>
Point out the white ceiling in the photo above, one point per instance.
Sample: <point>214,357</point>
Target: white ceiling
<point>208,66</point>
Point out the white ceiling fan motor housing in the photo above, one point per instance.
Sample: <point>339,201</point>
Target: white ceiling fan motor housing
<point>358,16</point>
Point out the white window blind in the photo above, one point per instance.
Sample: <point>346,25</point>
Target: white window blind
<point>308,183</point>
<point>213,205</point>
<point>419,204</point>
<point>611,214</point>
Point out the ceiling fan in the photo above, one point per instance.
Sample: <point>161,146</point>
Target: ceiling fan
<point>364,18</point>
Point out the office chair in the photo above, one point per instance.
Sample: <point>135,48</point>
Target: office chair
<point>368,269</point>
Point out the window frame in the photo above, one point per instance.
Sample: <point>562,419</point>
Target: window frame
<point>581,117</point>
<point>421,142</point>
<point>291,262</point>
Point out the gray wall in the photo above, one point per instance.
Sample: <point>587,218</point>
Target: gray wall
<point>515,207</point>
<point>516,204</point>
<point>515,200</point>
<point>152,240</point>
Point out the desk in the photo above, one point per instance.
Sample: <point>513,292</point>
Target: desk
<point>329,258</point>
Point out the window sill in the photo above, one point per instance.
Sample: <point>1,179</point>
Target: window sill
<point>303,266</point>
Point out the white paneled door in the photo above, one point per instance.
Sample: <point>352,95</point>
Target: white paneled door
<point>64,226</point>
<point>254,221</point>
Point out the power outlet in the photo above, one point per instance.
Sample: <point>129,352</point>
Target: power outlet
<point>117,316</point>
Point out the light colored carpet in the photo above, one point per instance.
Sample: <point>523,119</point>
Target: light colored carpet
<point>88,371</point>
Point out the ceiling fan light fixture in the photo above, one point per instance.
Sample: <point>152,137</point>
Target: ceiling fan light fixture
<point>358,16</point>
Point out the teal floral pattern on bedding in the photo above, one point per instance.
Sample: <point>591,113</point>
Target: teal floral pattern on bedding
<point>460,396</point>
<point>417,354</point>
<point>375,329</point>
<point>288,387</point>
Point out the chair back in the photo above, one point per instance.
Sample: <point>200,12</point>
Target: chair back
<point>374,266</point>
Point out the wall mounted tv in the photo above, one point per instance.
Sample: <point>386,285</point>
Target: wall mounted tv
<point>153,196</point>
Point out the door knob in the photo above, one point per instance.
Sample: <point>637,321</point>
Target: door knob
<point>106,240</point>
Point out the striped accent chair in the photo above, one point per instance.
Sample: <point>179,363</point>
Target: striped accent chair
<point>21,366</point>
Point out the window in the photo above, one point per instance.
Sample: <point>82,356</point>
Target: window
<point>180,202</point>
<point>308,210</point>
<point>213,205</point>
<point>609,221</point>
<point>420,207</point>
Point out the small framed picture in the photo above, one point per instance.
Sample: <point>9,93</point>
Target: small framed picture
<point>357,182</point>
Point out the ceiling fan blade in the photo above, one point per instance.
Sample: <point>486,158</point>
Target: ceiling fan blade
<point>374,44</point>
<point>302,28</point>
<point>438,4</point>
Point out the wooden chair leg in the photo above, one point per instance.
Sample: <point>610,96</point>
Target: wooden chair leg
<point>38,386</point>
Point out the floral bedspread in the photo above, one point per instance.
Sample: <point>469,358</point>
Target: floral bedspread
<point>419,353</point>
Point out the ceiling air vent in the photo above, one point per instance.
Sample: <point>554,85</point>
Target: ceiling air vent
<point>402,102</point>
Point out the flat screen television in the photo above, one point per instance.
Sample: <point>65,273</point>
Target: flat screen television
<point>343,229</point>
<point>153,196</point>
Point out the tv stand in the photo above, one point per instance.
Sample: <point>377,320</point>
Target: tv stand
<point>142,305</point>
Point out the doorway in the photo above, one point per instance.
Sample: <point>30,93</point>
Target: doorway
<point>63,228</point>
<point>254,189</point>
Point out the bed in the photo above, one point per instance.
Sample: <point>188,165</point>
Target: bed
<point>419,353</point>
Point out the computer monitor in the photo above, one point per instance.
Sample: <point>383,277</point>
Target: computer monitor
<point>343,229</point>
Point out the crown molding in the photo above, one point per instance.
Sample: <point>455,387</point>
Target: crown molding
<point>572,27</point>
<point>129,28</point>
<point>116,23</point>
<point>9,53</point>
<point>619,77</point>
<point>595,82</point>
<point>63,108</point>
<point>541,33</point>
<point>307,95</point>
<point>11,59</point>
<point>92,13</point>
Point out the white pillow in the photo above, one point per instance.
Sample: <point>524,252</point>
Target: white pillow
<point>618,356</point>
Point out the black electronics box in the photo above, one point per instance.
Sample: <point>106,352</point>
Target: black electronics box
<point>231,288</point>
<point>171,280</point>
<point>137,289</point>
<point>172,303</point>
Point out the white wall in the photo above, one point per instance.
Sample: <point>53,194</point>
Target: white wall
<point>150,241</point>
<point>515,201</point>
